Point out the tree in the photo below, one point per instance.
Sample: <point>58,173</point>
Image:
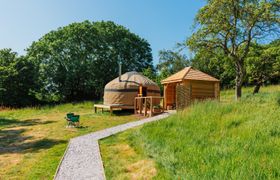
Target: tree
<point>232,25</point>
<point>172,61</point>
<point>215,64</point>
<point>263,64</point>
<point>17,79</point>
<point>76,61</point>
<point>150,73</point>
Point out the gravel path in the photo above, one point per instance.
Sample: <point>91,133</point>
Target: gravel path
<point>82,159</point>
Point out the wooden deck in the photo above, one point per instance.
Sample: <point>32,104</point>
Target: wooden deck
<point>111,107</point>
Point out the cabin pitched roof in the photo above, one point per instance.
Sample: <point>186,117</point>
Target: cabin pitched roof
<point>188,73</point>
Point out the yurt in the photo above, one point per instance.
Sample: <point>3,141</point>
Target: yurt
<point>123,90</point>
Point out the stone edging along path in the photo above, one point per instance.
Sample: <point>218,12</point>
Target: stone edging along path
<point>82,159</point>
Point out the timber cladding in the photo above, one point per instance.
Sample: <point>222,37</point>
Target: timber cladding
<point>202,89</point>
<point>183,98</point>
<point>190,91</point>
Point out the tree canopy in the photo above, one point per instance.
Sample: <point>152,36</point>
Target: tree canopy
<point>77,60</point>
<point>215,64</point>
<point>263,64</point>
<point>17,79</point>
<point>172,61</point>
<point>231,42</point>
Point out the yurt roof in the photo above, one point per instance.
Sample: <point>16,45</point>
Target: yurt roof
<point>131,78</point>
<point>188,73</point>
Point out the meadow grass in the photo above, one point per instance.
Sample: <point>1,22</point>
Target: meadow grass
<point>33,140</point>
<point>210,140</point>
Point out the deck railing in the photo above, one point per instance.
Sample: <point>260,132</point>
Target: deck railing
<point>150,105</point>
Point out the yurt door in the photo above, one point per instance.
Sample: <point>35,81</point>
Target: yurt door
<point>142,91</point>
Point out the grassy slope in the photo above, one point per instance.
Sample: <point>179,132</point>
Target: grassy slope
<point>32,140</point>
<point>210,140</point>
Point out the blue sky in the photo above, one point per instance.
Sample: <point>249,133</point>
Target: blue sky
<point>162,23</point>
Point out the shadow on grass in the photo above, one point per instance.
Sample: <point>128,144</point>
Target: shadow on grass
<point>4,122</point>
<point>234,124</point>
<point>126,112</point>
<point>13,141</point>
<point>82,127</point>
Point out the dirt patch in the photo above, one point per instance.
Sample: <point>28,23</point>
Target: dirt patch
<point>131,165</point>
<point>8,161</point>
<point>124,150</point>
<point>143,169</point>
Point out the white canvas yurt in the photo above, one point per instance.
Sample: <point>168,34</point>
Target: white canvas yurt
<point>124,89</point>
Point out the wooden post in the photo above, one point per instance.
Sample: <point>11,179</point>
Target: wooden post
<point>190,92</point>
<point>163,101</point>
<point>135,106</point>
<point>140,108</point>
<point>151,107</point>
<point>95,109</point>
<point>217,90</point>
<point>145,111</point>
<point>141,90</point>
<point>164,96</point>
<point>176,97</point>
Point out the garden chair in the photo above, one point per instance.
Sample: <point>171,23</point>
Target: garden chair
<point>72,119</point>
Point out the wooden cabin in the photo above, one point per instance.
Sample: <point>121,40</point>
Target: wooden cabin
<point>187,85</point>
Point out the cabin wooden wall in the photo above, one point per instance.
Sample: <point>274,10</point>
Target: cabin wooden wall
<point>202,89</point>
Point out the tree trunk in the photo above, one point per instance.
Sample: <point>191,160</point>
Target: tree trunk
<point>257,88</point>
<point>238,91</point>
<point>240,71</point>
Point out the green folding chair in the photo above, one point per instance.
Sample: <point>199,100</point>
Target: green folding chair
<point>72,119</point>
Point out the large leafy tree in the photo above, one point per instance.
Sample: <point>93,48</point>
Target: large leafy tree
<point>232,25</point>
<point>263,64</point>
<point>215,64</point>
<point>17,79</point>
<point>150,73</point>
<point>172,61</point>
<point>77,60</point>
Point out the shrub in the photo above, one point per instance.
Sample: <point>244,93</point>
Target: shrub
<point>278,99</point>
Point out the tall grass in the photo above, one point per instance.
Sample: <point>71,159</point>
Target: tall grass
<point>212,140</point>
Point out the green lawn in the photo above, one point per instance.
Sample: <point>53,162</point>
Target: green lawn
<point>210,140</point>
<point>33,140</point>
